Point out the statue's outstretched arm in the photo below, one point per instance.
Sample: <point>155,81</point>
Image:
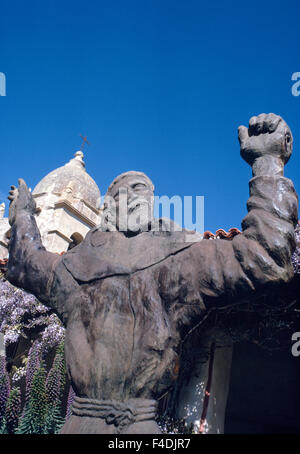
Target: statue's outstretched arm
<point>259,258</point>
<point>30,266</point>
<point>265,248</point>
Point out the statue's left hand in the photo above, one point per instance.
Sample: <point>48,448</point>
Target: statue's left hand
<point>20,200</point>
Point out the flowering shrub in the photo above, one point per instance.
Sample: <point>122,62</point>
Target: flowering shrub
<point>31,398</point>
<point>42,408</point>
<point>21,312</point>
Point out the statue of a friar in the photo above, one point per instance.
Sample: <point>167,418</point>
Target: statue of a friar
<point>128,296</point>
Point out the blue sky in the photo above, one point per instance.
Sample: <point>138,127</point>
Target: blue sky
<point>157,85</point>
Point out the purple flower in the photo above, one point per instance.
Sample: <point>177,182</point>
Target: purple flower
<point>21,313</point>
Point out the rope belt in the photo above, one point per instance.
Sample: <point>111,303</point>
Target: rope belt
<point>121,414</point>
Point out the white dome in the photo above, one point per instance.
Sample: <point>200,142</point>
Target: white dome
<point>83,186</point>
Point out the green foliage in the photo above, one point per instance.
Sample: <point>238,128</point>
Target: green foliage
<point>34,405</point>
<point>56,381</point>
<point>54,421</point>
<point>3,428</point>
<point>34,417</point>
<point>43,407</point>
<point>13,410</point>
<point>4,388</point>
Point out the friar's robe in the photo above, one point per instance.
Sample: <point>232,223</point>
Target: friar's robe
<point>127,302</point>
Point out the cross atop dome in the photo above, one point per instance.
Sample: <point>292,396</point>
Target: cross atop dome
<point>85,141</point>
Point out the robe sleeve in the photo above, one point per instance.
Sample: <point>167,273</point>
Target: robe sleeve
<point>30,265</point>
<point>214,273</point>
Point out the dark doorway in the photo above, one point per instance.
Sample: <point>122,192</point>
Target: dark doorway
<point>264,394</point>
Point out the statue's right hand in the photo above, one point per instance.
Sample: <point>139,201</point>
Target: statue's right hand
<point>267,134</point>
<point>20,200</point>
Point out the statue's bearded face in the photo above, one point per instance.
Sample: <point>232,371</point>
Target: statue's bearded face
<point>133,196</point>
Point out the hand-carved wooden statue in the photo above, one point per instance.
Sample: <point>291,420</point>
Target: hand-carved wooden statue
<point>127,298</point>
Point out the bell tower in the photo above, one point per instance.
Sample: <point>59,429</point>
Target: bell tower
<point>68,202</point>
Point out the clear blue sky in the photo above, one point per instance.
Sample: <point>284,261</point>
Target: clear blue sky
<point>157,85</point>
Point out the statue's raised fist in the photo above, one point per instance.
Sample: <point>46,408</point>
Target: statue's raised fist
<point>20,200</point>
<point>267,134</point>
